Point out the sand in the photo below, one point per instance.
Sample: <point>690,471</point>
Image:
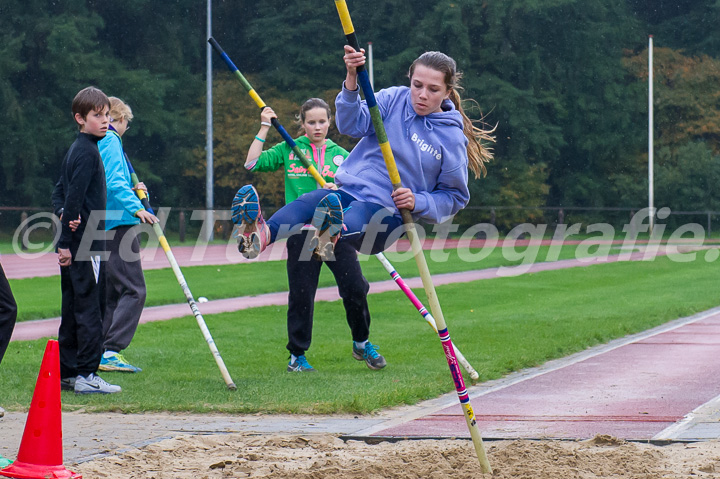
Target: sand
<point>328,456</point>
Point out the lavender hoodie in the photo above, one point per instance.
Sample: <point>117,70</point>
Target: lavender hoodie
<point>430,152</point>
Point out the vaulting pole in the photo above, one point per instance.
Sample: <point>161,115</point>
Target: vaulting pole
<point>260,103</point>
<point>423,310</point>
<point>183,284</point>
<point>364,81</point>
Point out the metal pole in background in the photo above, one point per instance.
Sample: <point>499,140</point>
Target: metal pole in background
<point>370,65</point>
<point>209,203</point>
<point>651,184</point>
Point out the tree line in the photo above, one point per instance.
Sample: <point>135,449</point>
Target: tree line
<point>565,81</point>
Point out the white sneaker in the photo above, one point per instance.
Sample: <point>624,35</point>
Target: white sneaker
<point>2,412</point>
<point>94,384</point>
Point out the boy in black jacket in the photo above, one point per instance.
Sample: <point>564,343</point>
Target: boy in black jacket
<point>79,200</point>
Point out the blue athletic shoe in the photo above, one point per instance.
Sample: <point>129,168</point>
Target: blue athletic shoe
<point>327,221</point>
<point>117,362</point>
<point>369,355</point>
<point>300,365</point>
<point>253,233</point>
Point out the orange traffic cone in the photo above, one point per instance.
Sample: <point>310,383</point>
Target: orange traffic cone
<point>41,454</point>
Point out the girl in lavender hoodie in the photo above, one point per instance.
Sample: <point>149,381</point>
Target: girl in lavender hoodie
<point>434,144</point>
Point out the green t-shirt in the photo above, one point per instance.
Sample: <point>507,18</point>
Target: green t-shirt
<point>298,181</point>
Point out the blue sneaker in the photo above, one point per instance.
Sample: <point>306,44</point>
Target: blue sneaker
<point>300,365</point>
<point>117,362</point>
<point>253,233</point>
<point>369,355</point>
<point>328,222</point>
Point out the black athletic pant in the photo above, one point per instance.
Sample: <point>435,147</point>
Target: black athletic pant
<point>8,313</point>
<point>80,334</point>
<point>303,275</point>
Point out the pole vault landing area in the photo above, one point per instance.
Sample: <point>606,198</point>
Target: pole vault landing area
<point>656,385</point>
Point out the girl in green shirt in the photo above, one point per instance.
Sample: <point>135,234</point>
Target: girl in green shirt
<point>303,268</point>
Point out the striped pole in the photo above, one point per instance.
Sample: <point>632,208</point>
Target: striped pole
<point>364,81</point>
<point>260,103</point>
<point>423,311</point>
<point>183,284</point>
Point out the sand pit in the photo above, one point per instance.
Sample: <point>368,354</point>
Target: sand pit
<point>327,456</point>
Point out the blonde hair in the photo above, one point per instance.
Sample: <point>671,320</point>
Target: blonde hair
<point>119,109</point>
<point>478,153</point>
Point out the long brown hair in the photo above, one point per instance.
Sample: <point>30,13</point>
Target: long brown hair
<point>478,153</point>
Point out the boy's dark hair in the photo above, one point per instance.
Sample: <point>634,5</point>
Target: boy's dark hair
<point>89,99</point>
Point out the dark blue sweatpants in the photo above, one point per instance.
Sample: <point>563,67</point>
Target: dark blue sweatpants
<point>369,228</point>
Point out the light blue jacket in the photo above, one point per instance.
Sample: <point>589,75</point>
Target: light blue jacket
<point>122,203</point>
<point>430,152</point>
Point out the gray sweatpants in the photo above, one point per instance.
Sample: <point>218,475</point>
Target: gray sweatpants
<point>124,289</point>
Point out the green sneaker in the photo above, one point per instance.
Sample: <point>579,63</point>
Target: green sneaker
<point>4,462</point>
<point>117,362</point>
<point>300,365</point>
<point>369,355</point>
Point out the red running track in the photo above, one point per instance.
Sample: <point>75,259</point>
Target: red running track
<point>632,392</point>
<point>29,265</point>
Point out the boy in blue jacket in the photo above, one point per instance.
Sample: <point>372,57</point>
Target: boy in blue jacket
<point>125,290</point>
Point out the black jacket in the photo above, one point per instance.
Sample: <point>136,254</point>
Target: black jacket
<point>81,188</point>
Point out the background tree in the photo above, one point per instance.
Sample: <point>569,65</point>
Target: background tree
<point>563,81</point>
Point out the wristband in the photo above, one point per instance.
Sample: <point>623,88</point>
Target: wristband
<point>259,139</point>
<point>264,123</point>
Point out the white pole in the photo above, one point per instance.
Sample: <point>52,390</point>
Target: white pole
<point>370,65</point>
<point>651,184</point>
<point>209,204</point>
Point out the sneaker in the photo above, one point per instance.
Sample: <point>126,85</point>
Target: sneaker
<point>369,355</point>
<point>300,365</point>
<point>2,413</point>
<point>117,362</point>
<point>327,221</point>
<point>253,233</point>
<point>67,384</point>
<point>94,384</point>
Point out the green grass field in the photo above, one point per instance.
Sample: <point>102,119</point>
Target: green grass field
<point>501,325</point>
<point>39,298</point>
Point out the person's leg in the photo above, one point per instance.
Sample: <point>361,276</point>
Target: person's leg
<point>107,290</point>
<point>87,317</point>
<point>88,330</point>
<point>303,273</point>
<point>67,336</point>
<point>353,289</point>
<point>255,234</point>
<point>125,298</point>
<point>293,216</point>
<point>370,228</point>
<point>8,313</point>
<point>328,223</point>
